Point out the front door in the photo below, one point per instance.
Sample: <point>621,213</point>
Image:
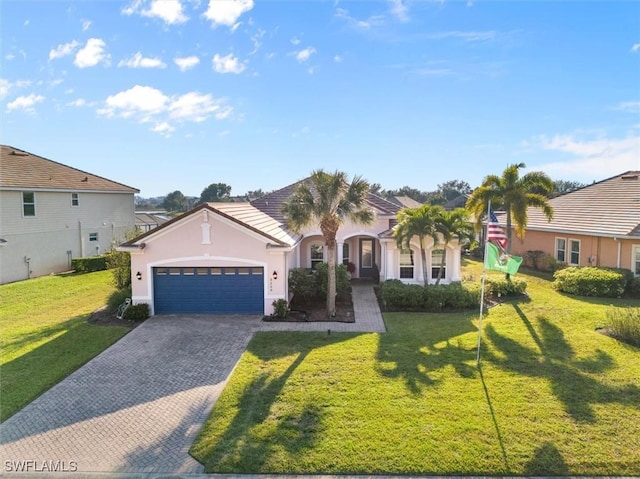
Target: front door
<point>367,257</point>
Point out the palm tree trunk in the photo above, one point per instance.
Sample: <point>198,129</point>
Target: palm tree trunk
<point>331,280</point>
<point>423,259</point>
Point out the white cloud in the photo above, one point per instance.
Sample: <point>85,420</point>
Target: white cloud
<point>9,56</point>
<point>25,103</point>
<point>628,106</point>
<point>337,58</point>
<point>6,86</point>
<point>295,41</point>
<point>138,61</point>
<point>80,102</point>
<point>635,47</point>
<point>228,64</point>
<point>224,133</point>
<point>186,63</point>
<point>226,12</point>
<point>63,49</point>
<point>592,158</point>
<point>170,11</point>
<point>304,55</point>
<point>144,104</point>
<point>92,54</point>
<point>399,10</point>
<point>85,25</point>
<point>371,22</point>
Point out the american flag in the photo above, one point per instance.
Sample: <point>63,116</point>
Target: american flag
<point>495,231</point>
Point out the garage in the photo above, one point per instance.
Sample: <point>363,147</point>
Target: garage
<point>208,290</point>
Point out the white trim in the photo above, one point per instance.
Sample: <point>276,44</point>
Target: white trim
<point>324,252</point>
<point>633,266</point>
<point>416,259</point>
<point>66,190</point>
<point>23,204</point>
<point>570,240</point>
<point>77,198</point>
<point>555,249</point>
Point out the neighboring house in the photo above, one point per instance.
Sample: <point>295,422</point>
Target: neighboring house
<point>51,213</point>
<point>148,220</point>
<point>404,202</point>
<point>235,257</point>
<point>457,202</point>
<point>597,225</point>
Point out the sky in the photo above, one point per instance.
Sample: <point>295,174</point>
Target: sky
<point>167,95</point>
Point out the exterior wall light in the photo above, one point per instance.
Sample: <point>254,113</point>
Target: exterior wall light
<point>274,275</point>
<point>139,275</point>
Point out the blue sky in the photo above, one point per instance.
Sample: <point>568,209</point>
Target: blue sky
<point>177,94</point>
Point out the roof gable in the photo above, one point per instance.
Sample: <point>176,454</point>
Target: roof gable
<point>23,170</point>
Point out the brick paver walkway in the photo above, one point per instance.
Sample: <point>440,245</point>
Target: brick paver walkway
<point>139,405</point>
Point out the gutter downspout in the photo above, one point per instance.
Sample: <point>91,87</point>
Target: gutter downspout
<point>619,251</point>
<point>80,238</point>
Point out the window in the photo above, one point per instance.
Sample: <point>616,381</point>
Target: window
<point>437,258</point>
<point>28,203</point>
<point>316,254</point>
<point>575,252</point>
<point>345,253</point>
<point>75,200</point>
<point>406,264</point>
<point>93,236</point>
<point>561,250</point>
<point>635,264</point>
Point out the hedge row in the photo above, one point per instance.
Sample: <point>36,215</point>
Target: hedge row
<point>593,281</point>
<point>398,296</point>
<point>89,265</point>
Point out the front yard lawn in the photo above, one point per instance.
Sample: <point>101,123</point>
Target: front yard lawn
<point>44,335</point>
<point>553,397</point>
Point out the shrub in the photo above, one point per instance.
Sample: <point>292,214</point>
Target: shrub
<point>624,324</point>
<point>322,279</point>
<point>280,308</point>
<point>119,262</point>
<point>590,281</point>
<point>88,265</point>
<point>302,284</point>
<point>633,288</point>
<point>533,258</point>
<point>375,273</point>
<point>137,312</point>
<point>398,296</point>
<point>502,287</point>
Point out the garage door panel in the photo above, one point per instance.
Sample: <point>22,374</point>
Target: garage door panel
<point>209,290</point>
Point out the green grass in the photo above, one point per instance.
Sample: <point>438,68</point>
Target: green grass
<point>553,397</point>
<point>44,335</point>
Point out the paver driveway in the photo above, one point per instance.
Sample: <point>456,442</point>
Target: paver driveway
<point>138,406</point>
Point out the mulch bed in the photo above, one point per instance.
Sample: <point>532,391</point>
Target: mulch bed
<point>106,317</point>
<point>316,310</point>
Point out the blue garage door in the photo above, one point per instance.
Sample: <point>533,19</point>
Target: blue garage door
<point>208,290</point>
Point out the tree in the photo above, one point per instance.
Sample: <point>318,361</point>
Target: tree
<point>562,186</point>
<point>376,189</point>
<point>253,194</point>
<point>421,222</point>
<point>329,200</point>
<point>450,224</point>
<point>450,190</point>
<point>215,192</point>
<point>513,194</point>
<point>175,201</point>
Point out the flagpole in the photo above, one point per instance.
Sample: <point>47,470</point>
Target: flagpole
<point>484,276</point>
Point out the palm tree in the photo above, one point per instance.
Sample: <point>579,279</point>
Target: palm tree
<point>513,194</point>
<point>450,224</point>
<point>328,199</point>
<point>420,222</point>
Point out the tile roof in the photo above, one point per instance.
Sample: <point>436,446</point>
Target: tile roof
<point>271,203</point>
<point>22,170</point>
<point>404,202</point>
<point>609,207</point>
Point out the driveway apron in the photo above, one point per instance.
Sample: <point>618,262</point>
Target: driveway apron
<point>138,406</point>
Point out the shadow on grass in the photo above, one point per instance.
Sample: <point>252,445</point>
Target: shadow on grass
<point>253,436</point>
<point>495,421</point>
<point>412,352</point>
<point>555,361</point>
<point>547,461</point>
<point>72,344</point>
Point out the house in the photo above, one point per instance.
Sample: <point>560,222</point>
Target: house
<point>52,213</point>
<point>597,225</point>
<point>148,220</point>
<point>235,257</point>
<point>404,202</point>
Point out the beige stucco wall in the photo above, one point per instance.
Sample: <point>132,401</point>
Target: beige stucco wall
<point>603,251</point>
<point>57,228</point>
<point>185,244</point>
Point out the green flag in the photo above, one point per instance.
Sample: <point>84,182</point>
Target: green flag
<point>496,261</point>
